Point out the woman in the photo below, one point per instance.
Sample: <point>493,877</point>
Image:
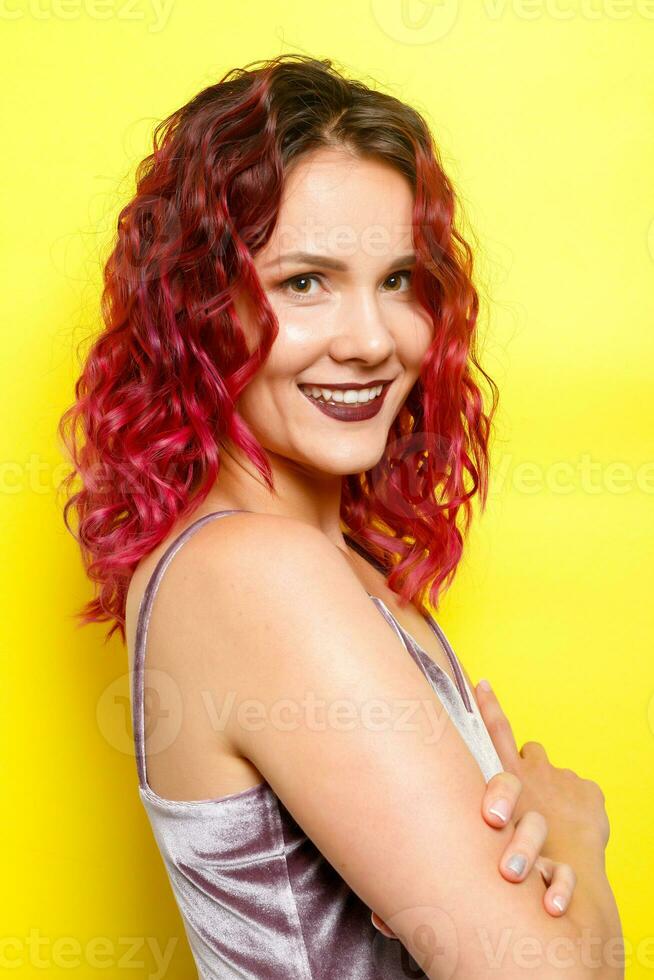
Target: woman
<point>283,402</point>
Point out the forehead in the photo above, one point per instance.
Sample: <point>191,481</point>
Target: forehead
<point>338,204</point>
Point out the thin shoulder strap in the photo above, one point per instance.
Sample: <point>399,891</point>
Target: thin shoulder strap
<point>454,660</point>
<point>425,662</point>
<point>142,623</point>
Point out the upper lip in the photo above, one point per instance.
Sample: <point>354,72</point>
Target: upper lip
<point>349,384</point>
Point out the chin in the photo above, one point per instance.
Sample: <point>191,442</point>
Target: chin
<point>348,464</point>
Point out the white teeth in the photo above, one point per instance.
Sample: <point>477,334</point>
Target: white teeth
<point>349,396</point>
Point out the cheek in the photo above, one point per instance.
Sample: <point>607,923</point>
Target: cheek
<point>295,346</point>
<point>266,396</point>
<point>413,338</point>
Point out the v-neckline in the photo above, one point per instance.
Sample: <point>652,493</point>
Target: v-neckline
<point>459,687</point>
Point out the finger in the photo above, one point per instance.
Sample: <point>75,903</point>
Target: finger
<point>500,797</point>
<point>524,847</point>
<point>499,728</point>
<point>535,751</point>
<point>560,889</point>
<point>546,867</point>
<point>381,926</point>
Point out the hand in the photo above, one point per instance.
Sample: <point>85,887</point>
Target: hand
<point>528,838</point>
<point>572,806</point>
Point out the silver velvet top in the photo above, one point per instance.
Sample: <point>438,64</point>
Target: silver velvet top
<point>258,900</point>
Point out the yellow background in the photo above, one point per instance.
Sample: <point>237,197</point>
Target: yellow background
<point>543,115</point>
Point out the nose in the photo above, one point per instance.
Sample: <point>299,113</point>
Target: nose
<point>361,331</point>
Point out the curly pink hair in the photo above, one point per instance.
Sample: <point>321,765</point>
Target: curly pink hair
<point>157,392</point>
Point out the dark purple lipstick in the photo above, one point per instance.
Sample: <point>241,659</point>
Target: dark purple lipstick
<point>350,412</point>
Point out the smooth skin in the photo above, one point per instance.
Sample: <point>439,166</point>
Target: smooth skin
<point>501,802</point>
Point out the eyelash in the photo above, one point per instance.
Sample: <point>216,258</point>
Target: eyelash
<point>284,286</point>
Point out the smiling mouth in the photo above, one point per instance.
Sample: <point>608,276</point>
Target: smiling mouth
<point>340,396</point>
<point>345,405</point>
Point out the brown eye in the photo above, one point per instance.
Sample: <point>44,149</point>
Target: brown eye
<point>301,279</point>
<point>286,285</point>
<point>397,276</point>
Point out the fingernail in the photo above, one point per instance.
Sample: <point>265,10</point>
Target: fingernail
<point>517,863</point>
<point>483,685</point>
<point>559,902</point>
<point>501,809</point>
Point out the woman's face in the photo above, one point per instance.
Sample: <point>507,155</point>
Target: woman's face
<point>347,316</point>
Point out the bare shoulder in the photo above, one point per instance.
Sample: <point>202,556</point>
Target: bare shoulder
<point>243,540</point>
<point>227,541</point>
<point>225,607</point>
<point>231,572</point>
<point>248,574</point>
<point>241,558</point>
<point>270,557</point>
<point>196,634</point>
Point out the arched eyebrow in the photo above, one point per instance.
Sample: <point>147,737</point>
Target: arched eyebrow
<point>327,262</point>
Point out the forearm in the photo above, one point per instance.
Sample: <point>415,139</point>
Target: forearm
<point>594,911</point>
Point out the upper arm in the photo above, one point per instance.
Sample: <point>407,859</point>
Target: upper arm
<point>350,735</point>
